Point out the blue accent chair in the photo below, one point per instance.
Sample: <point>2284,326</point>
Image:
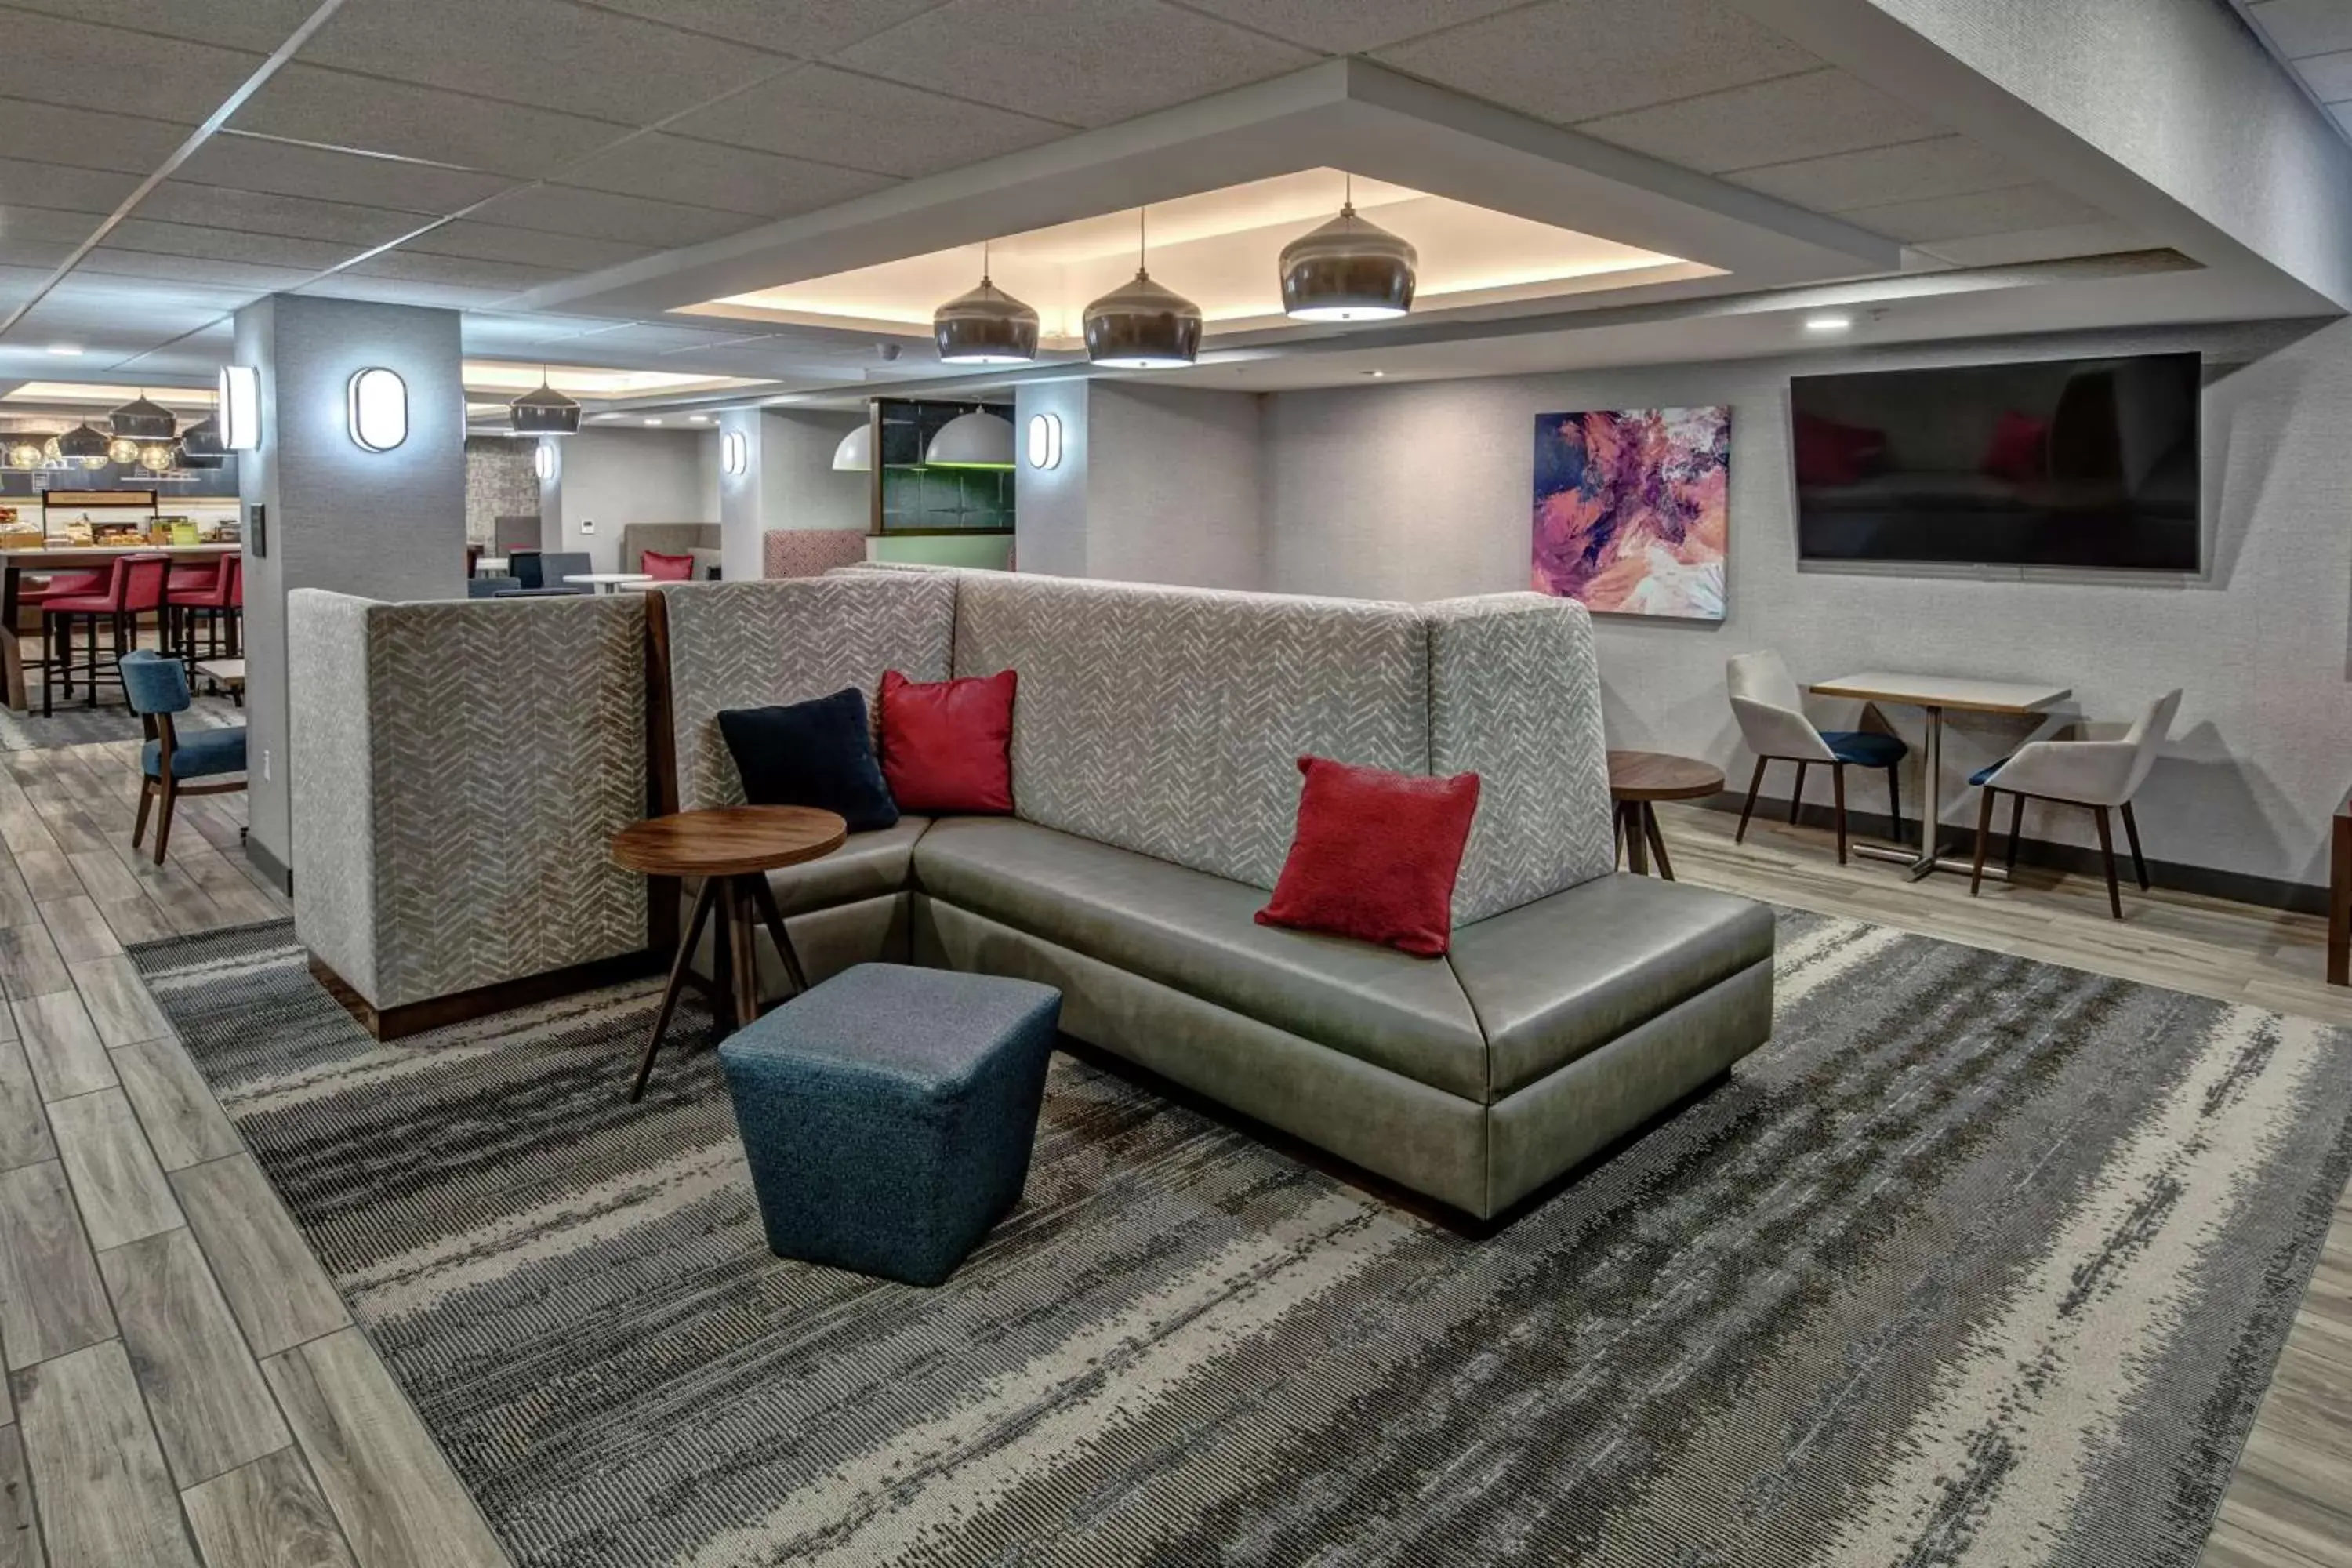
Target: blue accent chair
<point>887,1114</point>
<point>1771,712</point>
<point>157,686</point>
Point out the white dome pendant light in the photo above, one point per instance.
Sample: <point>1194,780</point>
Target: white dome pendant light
<point>975,440</point>
<point>985,325</point>
<point>1141,325</point>
<point>855,453</point>
<point>1348,269</point>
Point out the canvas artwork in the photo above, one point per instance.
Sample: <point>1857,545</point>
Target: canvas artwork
<point>1633,510</point>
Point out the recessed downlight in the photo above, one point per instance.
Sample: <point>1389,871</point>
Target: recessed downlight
<point>653,421</point>
<point>1829,321</point>
<point>69,350</point>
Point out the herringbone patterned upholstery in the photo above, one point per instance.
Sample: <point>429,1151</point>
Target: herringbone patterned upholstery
<point>749,644</point>
<point>1170,720</point>
<point>504,746</point>
<point>809,551</point>
<point>1515,697</point>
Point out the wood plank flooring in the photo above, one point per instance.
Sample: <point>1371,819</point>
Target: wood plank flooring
<point>185,1390</point>
<point>2290,1503</point>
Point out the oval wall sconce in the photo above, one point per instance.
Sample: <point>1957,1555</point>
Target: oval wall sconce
<point>378,408</point>
<point>239,411</point>
<point>542,461</point>
<point>734,453</point>
<point>1044,440</point>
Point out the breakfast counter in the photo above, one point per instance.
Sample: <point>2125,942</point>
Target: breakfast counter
<point>15,562</point>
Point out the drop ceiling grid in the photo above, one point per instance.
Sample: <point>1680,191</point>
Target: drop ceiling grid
<point>2313,40</point>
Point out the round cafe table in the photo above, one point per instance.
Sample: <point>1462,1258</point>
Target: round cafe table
<point>609,582</point>
<point>1638,779</point>
<point>732,848</point>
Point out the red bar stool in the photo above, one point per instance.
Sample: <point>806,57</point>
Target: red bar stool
<point>34,592</point>
<point>135,587</point>
<point>214,593</point>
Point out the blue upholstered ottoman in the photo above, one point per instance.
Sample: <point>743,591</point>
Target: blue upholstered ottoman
<point>887,1114</point>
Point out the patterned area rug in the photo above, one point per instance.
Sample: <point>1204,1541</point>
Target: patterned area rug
<point>1981,1261</point>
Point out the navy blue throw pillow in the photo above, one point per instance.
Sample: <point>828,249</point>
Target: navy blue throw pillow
<point>818,754</point>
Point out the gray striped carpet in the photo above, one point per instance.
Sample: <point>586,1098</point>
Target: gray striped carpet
<point>1982,1261</point>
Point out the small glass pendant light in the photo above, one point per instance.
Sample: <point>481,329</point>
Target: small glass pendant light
<point>1141,325</point>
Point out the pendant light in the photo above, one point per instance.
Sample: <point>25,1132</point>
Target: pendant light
<point>545,412</point>
<point>84,445</point>
<point>985,326</point>
<point>122,451</point>
<point>144,421</point>
<point>201,445</point>
<point>158,457</point>
<point>975,440</point>
<point>1348,269</point>
<point>1141,325</point>
<point>24,448</point>
<point>855,453</point>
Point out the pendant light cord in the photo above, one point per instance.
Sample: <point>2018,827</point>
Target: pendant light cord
<point>1141,245</point>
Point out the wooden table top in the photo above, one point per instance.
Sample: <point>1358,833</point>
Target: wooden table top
<point>729,840</point>
<point>1960,691</point>
<point>229,669</point>
<point>1660,775</point>
<point>92,554</point>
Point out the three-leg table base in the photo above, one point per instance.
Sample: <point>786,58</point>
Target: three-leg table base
<point>738,902</point>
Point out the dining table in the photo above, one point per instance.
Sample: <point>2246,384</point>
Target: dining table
<point>1936,695</point>
<point>44,561</point>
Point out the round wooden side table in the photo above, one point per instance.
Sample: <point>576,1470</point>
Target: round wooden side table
<point>732,848</point>
<point>1636,779</point>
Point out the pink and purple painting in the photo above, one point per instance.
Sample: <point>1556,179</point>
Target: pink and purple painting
<point>1633,510</point>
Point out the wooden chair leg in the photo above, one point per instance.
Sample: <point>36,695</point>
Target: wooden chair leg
<point>1894,798</point>
<point>1754,784</point>
<point>163,819</point>
<point>2016,827</point>
<point>2107,859</point>
<point>1984,831</point>
<point>146,800</point>
<point>2131,832</point>
<point>1837,789</point>
<point>1657,841</point>
<point>1797,796</point>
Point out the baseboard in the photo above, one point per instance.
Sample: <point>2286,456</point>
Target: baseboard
<point>2238,886</point>
<point>415,1017</point>
<point>268,866</point>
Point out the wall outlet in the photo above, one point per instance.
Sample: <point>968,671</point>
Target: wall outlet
<point>265,764</point>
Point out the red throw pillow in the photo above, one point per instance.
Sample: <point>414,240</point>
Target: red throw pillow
<point>666,568</point>
<point>1375,856</point>
<point>946,745</point>
<point>2020,448</point>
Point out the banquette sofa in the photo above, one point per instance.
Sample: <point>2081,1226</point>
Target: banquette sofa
<point>1155,741</point>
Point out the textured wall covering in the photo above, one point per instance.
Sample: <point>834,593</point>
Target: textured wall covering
<point>493,752</point>
<point>1420,491</point>
<point>748,645</point>
<point>1514,696</point>
<point>499,482</point>
<point>1170,721</point>
<point>809,551</point>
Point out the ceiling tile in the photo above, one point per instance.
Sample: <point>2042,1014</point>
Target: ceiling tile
<point>1086,62</point>
<point>401,291</point>
<point>2329,76</point>
<point>311,103</point>
<point>259,212</point>
<point>863,123</point>
<point>734,179</point>
<point>2010,211</point>
<point>47,224</point>
<point>526,247</point>
<point>71,190</point>
<point>45,254</point>
<point>2302,27</point>
<point>227,244</point>
<point>1777,121</point>
<point>549,53</point>
<point>2099,238</point>
<point>190,269</point>
<point>97,296</point>
<point>1571,60</point>
<point>243,162</point>
<point>1911,171</point>
<point>1354,28</point>
<point>55,133</point>
<point>52,60</point>
<point>806,28</point>
<point>599,215</point>
<point>257,25</point>
<point>465,271</point>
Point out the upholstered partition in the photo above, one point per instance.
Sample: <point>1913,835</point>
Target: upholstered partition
<point>1170,721</point>
<point>459,769</point>
<point>748,645</point>
<point>1515,697</point>
<point>810,552</point>
<point>667,538</point>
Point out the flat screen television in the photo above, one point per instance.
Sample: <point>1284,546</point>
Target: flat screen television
<point>2088,462</point>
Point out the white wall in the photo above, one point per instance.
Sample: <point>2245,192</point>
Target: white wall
<point>789,481</point>
<point>1422,491</point>
<point>613,477</point>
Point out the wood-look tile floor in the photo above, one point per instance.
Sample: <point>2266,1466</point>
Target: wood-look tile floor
<point>2290,1503</point>
<point>183,1385</point>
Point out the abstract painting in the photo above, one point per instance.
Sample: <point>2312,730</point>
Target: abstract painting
<point>1632,512</point>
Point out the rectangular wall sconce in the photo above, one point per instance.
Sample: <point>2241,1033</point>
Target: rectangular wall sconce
<point>378,408</point>
<point>240,407</point>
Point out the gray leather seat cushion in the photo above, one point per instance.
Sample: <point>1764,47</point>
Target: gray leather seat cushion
<point>1194,932</point>
<point>868,866</point>
<point>1554,979</point>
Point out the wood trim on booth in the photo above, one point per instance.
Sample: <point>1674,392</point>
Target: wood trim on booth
<point>415,1017</point>
<point>2340,895</point>
<point>661,769</point>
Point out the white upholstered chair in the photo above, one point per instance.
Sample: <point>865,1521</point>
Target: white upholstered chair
<point>2101,774</point>
<point>1771,715</point>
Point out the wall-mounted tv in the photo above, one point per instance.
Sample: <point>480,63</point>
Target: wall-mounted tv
<point>2088,462</point>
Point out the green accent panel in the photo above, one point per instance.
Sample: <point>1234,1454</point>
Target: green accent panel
<point>992,551</point>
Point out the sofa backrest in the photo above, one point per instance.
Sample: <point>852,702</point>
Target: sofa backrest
<point>459,769</point>
<point>668,538</point>
<point>749,645</point>
<point>810,552</point>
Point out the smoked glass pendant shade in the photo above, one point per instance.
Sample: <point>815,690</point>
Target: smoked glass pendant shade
<point>985,326</point>
<point>143,421</point>
<point>1142,326</point>
<point>1348,270</point>
<point>545,412</point>
<point>83,442</point>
